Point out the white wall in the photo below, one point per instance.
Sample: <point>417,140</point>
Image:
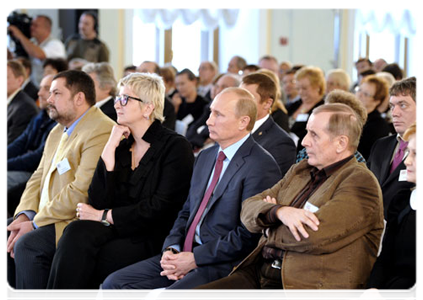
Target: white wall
<point>310,34</point>
<point>242,39</point>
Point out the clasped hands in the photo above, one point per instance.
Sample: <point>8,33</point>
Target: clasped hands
<point>176,266</point>
<point>20,226</point>
<point>295,218</point>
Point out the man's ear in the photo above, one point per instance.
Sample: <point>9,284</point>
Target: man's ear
<point>269,103</point>
<point>79,98</point>
<point>21,80</point>
<point>244,121</point>
<point>149,108</point>
<point>343,143</point>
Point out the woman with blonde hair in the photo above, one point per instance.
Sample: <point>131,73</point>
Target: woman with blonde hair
<point>140,184</point>
<point>372,92</point>
<point>310,82</point>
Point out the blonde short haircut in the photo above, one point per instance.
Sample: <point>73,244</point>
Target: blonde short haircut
<point>343,121</point>
<point>150,88</point>
<point>342,79</point>
<point>316,77</point>
<point>245,106</point>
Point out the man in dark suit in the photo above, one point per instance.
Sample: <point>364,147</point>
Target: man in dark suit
<point>266,132</point>
<point>28,86</point>
<point>207,239</point>
<point>24,154</point>
<point>20,107</point>
<point>387,154</point>
<point>105,87</point>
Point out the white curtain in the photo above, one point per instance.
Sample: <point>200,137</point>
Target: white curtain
<point>210,18</point>
<point>397,22</point>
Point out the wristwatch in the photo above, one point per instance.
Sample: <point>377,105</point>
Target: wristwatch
<point>104,218</point>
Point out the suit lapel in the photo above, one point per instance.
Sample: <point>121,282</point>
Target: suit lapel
<point>207,165</point>
<point>386,164</point>
<point>235,164</point>
<point>262,130</point>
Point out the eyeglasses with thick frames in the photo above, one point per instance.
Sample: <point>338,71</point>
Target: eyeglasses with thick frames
<point>123,99</point>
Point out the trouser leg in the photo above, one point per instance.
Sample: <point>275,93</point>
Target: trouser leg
<point>11,274</point>
<point>75,259</point>
<point>34,253</point>
<point>243,284</point>
<point>142,275</point>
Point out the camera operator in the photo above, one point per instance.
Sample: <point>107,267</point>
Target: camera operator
<point>41,45</point>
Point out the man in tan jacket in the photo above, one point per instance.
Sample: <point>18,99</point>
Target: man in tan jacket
<point>61,180</point>
<point>321,223</point>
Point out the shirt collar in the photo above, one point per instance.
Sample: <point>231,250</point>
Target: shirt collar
<point>260,122</point>
<point>70,129</point>
<point>13,96</point>
<point>102,102</point>
<point>329,170</point>
<point>232,149</point>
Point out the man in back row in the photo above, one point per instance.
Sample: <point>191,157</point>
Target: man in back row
<point>61,180</point>
<point>322,222</point>
<point>207,239</point>
<point>386,158</point>
<point>266,132</point>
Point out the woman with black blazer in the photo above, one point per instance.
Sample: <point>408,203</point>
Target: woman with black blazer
<point>311,85</point>
<point>140,184</point>
<point>372,92</point>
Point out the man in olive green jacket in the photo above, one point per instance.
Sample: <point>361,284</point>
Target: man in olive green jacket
<point>321,223</point>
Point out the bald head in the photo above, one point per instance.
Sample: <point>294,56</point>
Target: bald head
<point>227,80</point>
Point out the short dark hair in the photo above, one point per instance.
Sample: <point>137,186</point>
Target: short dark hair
<point>405,87</point>
<point>395,70</point>
<point>78,81</point>
<point>251,67</point>
<point>190,74</point>
<point>361,59</point>
<point>59,64</point>
<point>266,87</point>
<point>130,68</point>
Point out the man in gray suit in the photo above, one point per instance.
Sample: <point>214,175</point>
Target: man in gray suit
<point>207,239</point>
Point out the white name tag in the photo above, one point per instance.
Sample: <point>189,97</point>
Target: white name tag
<point>302,118</point>
<point>402,175</point>
<point>310,207</point>
<point>188,119</point>
<point>63,166</point>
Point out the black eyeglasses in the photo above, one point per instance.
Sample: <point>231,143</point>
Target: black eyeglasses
<point>123,99</point>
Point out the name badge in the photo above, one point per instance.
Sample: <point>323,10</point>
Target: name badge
<point>302,118</point>
<point>63,166</point>
<point>188,119</point>
<point>402,175</point>
<point>310,207</point>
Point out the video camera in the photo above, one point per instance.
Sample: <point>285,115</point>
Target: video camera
<point>23,23</point>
